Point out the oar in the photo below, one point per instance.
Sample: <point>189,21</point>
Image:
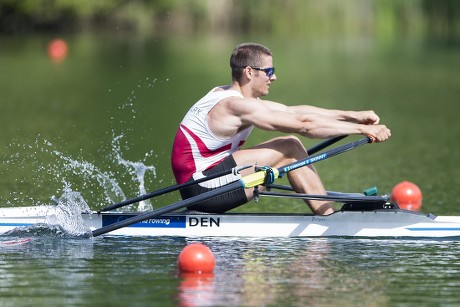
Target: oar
<point>314,149</point>
<point>171,189</point>
<point>255,179</point>
<point>324,155</point>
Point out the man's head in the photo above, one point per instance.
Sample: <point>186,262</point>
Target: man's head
<point>247,54</point>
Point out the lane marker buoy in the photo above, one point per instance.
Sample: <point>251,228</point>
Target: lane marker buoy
<point>407,195</point>
<point>57,50</point>
<point>196,258</point>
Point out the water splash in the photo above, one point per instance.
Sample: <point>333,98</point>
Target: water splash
<point>67,213</point>
<point>110,187</point>
<point>63,220</point>
<point>100,187</point>
<point>34,173</point>
<point>136,169</point>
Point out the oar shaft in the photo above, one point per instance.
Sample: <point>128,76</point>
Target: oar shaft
<point>330,153</point>
<point>169,189</point>
<point>314,149</point>
<point>178,205</point>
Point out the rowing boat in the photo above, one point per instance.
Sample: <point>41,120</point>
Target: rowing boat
<point>362,215</point>
<point>352,220</point>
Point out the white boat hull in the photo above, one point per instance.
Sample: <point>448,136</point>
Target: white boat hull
<point>375,223</point>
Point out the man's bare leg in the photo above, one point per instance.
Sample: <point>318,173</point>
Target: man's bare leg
<point>279,152</point>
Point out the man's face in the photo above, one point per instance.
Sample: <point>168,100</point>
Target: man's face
<point>261,81</point>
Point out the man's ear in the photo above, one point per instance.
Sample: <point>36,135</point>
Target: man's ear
<point>248,71</point>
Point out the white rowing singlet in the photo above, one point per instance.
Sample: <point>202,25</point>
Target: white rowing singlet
<point>195,147</point>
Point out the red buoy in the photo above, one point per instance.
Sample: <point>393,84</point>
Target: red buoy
<point>407,195</point>
<point>57,50</point>
<point>196,258</point>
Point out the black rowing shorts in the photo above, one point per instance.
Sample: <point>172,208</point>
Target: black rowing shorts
<point>221,203</point>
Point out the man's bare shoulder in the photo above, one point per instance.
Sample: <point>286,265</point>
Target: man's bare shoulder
<point>254,104</point>
<point>240,104</point>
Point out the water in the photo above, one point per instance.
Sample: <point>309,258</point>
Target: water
<point>98,128</point>
<point>292,272</point>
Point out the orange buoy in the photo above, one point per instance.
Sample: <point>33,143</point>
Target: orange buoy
<point>407,195</point>
<point>196,258</point>
<point>57,50</point>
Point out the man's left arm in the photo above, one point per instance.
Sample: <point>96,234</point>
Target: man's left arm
<point>359,117</point>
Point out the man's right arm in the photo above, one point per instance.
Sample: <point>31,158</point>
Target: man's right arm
<point>272,116</point>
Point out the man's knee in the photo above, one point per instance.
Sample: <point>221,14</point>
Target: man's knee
<point>293,142</point>
<point>291,146</point>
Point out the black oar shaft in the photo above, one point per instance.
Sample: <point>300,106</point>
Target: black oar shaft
<point>330,153</point>
<point>314,149</point>
<point>176,206</point>
<point>169,189</point>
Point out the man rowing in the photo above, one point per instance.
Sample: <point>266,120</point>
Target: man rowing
<point>210,136</point>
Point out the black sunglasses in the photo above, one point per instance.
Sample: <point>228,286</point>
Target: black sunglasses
<point>270,71</point>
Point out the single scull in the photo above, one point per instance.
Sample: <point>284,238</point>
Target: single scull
<point>360,216</point>
<point>353,220</point>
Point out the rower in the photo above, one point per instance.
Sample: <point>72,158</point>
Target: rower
<point>210,137</point>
